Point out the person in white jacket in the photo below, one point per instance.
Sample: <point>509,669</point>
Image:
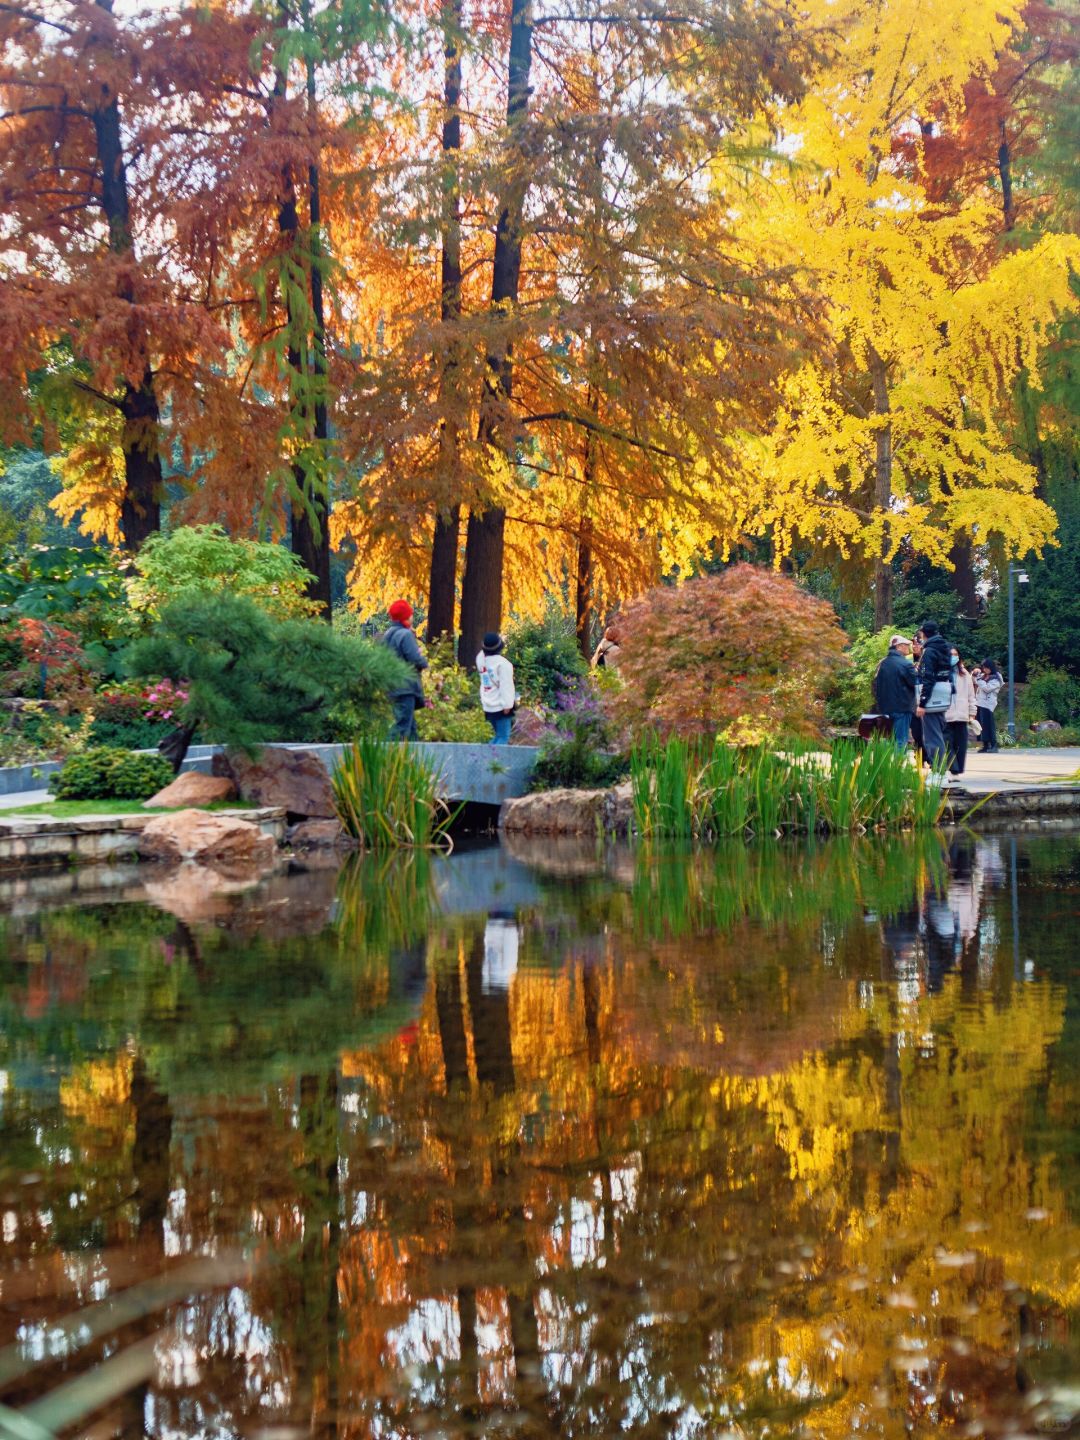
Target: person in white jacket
<point>959,715</point>
<point>497,694</point>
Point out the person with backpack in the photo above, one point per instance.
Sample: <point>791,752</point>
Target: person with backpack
<point>960,713</point>
<point>401,639</point>
<point>497,695</point>
<point>936,692</point>
<point>988,685</point>
<point>894,688</point>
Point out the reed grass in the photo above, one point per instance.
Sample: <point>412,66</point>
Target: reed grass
<point>708,790</point>
<point>387,798</point>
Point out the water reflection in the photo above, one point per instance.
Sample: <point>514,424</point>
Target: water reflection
<point>758,1141</point>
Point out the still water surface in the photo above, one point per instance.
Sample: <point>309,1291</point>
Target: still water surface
<point>757,1142</point>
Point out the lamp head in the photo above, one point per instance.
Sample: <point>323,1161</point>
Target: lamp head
<point>1022,577</point>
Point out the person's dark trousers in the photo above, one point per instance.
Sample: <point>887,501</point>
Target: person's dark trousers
<point>901,727</point>
<point>956,733</point>
<point>988,720</point>
<point>934,745</point>
<point>916,737</point>
<point>404,726</point>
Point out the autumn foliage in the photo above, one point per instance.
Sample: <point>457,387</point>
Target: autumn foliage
<point>746,647</point>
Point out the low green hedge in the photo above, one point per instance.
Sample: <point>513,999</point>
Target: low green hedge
<point>109,773</point>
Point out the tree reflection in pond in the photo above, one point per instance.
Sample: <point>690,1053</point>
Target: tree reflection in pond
<point>761,1141</point>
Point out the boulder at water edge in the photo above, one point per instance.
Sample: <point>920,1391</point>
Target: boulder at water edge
<point>570,812</point>
<point>295,780</point>
<point>192,789</point>
<point>208,838</point>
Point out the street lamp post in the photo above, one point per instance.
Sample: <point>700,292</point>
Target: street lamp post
<point>1021,579</point>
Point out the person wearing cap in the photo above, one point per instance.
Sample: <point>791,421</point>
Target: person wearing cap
<point>894,688</point>
<point>401,639</point>
<point>497,695</point>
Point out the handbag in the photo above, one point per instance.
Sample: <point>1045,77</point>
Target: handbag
<point>974,728</point>
<point>940,697</point>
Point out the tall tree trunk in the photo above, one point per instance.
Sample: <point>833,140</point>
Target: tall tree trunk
<point>583,597</point>
<point>962,558</point>
<point>883,459</point>
<point>140,509</point>
<point>1004,158</point>
<point>310,508</point>
<point>481,589</point>
<point>442,580</point>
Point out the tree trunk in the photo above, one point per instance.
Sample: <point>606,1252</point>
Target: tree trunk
<point>481,589</point>
<point>311,521</point>
<point>310,507</point>
<point>962,558</point>
<point>442,580</point>
<point>583,606</point>
<point>140,508</point>
<point>1004,158</point>
<point>883,458</point>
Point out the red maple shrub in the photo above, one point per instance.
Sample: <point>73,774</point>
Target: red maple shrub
<point>747,652</point>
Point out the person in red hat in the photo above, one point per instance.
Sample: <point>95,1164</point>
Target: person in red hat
<point>401,639</point>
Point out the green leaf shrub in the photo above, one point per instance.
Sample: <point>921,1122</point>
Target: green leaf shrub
<point>545,658</point>
<point>454,714</point>
<point>253,678</point>
<point>1050,694</point>
<point>203,560</point>
<point>106,772</point>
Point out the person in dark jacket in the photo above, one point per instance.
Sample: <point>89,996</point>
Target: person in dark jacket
<point>894,688</point>
<point>401,639</point>
<point>935,692</point>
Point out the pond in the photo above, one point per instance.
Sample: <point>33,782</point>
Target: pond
<point>759,1141</point>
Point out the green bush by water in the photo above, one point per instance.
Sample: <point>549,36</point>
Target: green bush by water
<point>107,773</point>
<point>388,798</point>
<point>687,789</point>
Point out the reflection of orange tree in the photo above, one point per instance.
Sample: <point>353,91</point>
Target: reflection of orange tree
<point>715,1211</point>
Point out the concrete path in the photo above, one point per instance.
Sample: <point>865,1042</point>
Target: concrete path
<point>1011,768</point>
<point>21,801</point>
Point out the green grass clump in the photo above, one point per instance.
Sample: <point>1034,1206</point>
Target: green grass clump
<point>387,797</point>
<point>686,789</point>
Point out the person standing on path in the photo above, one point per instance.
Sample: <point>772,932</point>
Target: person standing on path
<point>894,688</point>
<point>401,639</point>
<point>935,693</point>
<point>987,690</point>
<point>959,714</point>
<point>497,694</point>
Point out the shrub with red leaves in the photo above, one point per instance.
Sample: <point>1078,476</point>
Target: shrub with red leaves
<point>748,645</point>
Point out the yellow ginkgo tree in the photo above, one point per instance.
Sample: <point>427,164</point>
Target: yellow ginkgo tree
<point>899,431</point>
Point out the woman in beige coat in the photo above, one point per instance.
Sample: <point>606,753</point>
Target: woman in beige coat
<point>959,715</point>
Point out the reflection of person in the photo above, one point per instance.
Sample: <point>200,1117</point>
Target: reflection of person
<point>606,655</point>
<point>894,688</point>
<point>401,639</point>
<point>935,692</point>
<point>960,713</point>
<point>987,689</point>
<point>496,688</point>
<point>500,952</point>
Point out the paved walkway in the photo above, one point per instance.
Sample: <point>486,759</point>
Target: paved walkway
<point>1009,769</point>
<point>27,797</point>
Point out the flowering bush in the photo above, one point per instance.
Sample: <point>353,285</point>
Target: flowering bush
<point>746,645</point>
<point>165,700</point>
<point>46,661</point>
<point>579,748</point>
<point>137,715</point>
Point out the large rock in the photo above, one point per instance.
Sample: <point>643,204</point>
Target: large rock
<point>295,780</point>
<point>207,838</point>
<point>319,835</point>
<point>555,812</point>
<point>571,812</point>
<point>192,789</point>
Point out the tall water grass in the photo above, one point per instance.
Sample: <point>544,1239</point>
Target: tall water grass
<point>388,798</point>
<point>708,790</point>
